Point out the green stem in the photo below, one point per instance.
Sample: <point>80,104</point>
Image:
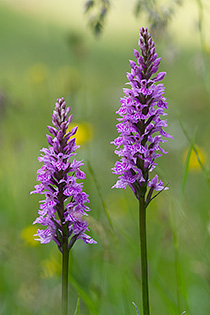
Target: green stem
<point>143,246</point>
<point>65,265</point>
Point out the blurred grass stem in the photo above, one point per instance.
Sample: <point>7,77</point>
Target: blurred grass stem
<point>143,246</point>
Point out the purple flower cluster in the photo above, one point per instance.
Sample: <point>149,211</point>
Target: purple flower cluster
<point>141,126</point>
<point>64,205</point>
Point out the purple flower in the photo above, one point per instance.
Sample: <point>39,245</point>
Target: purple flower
<point>64,205</point>
<point>140,124</point>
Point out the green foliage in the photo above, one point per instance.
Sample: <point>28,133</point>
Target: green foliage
<point>97,11</point>
<point>158,13</point>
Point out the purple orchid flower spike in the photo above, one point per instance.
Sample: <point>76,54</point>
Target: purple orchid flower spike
<point>140,124</point>
<point>65,203</point>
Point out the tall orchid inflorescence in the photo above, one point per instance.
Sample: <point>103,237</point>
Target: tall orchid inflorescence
<point>141,133</point>
<point>58,177</point>
<point>141,127</point>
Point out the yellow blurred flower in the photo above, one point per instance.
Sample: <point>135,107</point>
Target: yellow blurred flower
<point>84,132</point>
<point>50,267</point>
<point>27,235</point>
<point>194,165</point>
<point>37,73</point>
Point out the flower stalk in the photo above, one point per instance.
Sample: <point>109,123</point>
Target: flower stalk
<point>143,248</point>
<point>65,267</point>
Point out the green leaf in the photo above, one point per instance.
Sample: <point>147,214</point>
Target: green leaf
<point>84,296</point>
<point>89,5</point>
<point>187,162</point>
<point>76,312</point>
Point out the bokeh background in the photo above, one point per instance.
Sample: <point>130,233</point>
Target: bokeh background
<point>48,50</point>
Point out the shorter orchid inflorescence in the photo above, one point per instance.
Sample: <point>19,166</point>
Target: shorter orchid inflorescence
<point>64,205</point>
<point>141,127</point>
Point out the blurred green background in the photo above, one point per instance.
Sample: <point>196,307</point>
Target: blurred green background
<point>48,51</point>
